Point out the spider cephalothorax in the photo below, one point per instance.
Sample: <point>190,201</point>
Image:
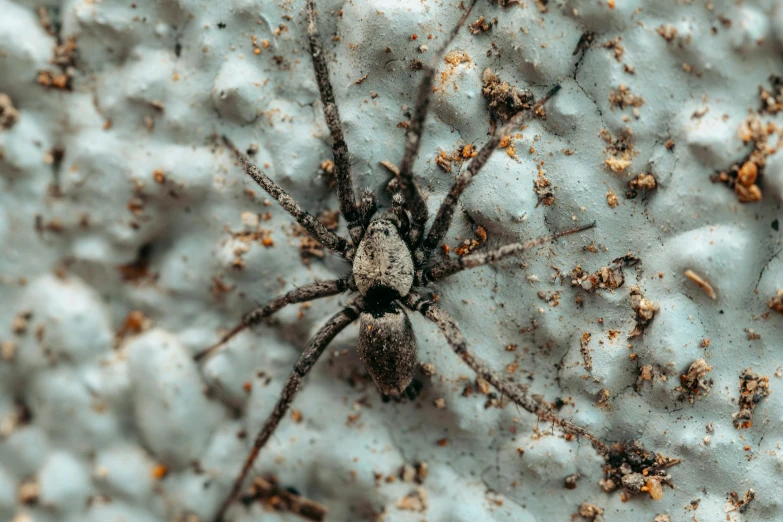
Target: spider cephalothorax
<point>383,264</point>
<point>391,257</point>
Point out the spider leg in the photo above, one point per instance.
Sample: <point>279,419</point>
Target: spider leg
<point>309,292</point>
<point>303,365</point>
<point>450,267</point>
<point>314,227</point>
<point>342,167</point>
<point>368,206</point>
<point>407,185</point>
<point>446,211</point>
<point>516,392</point>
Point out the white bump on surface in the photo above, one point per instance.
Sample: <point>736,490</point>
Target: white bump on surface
<point>173,415</point>
<point>64,482</point>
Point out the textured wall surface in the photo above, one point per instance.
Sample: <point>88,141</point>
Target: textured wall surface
<point>131,240</point>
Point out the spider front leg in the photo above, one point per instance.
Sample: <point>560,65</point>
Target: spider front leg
<point>309,292</point>
<point>303,365</point>
<point>446,211</point>
<point>516,392</point>
<point>450,267</point>
<point>342,167</point>
<point>314,227</point>
<point>410,191</point>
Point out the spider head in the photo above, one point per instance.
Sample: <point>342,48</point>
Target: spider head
<point>383,265</point>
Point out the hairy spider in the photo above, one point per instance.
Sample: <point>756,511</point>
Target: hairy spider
<point>390,256</point>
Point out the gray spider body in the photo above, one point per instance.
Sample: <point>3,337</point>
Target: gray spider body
<point>383,265</point>
<point>383,272</point>
<point>391,255</point>
<point>387,347</point>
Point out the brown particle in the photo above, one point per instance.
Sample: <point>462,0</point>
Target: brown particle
<point>422,470</point>
<point>642,182</point>
<point>644,311</point>
<point>428,369</point>
<point>668,32</point>
<point>7,350</point>
<point>504,101</point>
<point>584,348</point>
<point>479,26</point>
<point>692,382</point>
<point>747,174</point>
<point>439,403</point>
<point>442,442</point>
<point>541,186</point>
<point>159,471</point>
<point>753,388</point>
<point>654,488</point>
<point>8,113</point>
<point>603,397</point>
<point>296,416</point>
<point>636,470</point>
<point>20,322</point>
<point>416,500</point>
<point>615,44</point>
<point>772,100</point>
<point>590,512</point>
<point>619,151</point>
<point>133,324</point>
<point>623,98</point>
<point>483,386</point>
<point>745,194</point>
<point>611,199</point>
<point>570,481</point>
<point>29,491</point>
<point>776,303</point>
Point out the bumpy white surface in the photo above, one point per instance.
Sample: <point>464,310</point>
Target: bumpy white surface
<point>104,417</point>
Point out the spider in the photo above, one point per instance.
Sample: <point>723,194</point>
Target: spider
<point>390,255</point>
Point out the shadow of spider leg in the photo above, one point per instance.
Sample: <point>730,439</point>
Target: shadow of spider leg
<point>514,391</point>
<point>303,365</point>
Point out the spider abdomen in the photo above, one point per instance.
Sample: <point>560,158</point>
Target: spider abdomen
<point>383,262</point>
<point>387,347</point>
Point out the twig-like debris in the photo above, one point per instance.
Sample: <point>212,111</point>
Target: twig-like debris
<point>584,347</point>
<point>703,283</point>
<point>271,494</point>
